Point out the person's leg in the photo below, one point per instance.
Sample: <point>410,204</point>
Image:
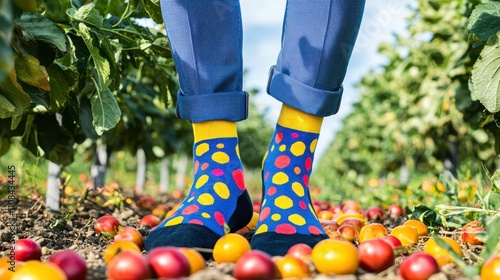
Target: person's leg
<point>318,38</point>
<point>205,37</point>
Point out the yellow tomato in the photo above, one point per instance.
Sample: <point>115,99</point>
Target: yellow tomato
<point>36,270</point>
<point>442,256</point>
<point>230,247</point>
<point>408,235</point>
<point>331,256</point>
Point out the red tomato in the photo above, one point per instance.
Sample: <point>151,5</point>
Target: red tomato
<point>491,268</point>
<point>130,234</point>
<point>71,263</point>
<point>26,250</point>
<point>255,265</point>
<point>107,225</point>
<point>375,255</point>
<point>419,266</point>
<point>128,265</point>
<point>168,262</point>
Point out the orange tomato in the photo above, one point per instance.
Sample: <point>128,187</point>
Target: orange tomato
<point>335,256</point>
<point>5,264</point>
<point>442,256</point>
<point>118,246</point>
<point>491,268</point>
<point>36,270</point>
<point>292,267</point>
<point>421,228</point>
<point>230,247</point>
<point>406,234</point>
<point>196,260</point>
<point>370,231</point>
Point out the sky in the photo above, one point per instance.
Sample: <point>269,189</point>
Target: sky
<point>262,24</point>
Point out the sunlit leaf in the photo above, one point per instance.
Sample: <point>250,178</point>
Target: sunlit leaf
<point>484,21</point>
<point>486,75</point>
<point>105,111</point>
<point>29,70</point>
<point>43,29</point>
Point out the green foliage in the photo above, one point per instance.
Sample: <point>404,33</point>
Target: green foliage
<point>70,70</point>
<point>417,114</point>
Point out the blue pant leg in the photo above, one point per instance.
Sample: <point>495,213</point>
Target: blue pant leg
<point>317,43</point>
<point>206,42</point>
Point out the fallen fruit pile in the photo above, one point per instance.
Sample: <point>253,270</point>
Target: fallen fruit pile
<point>360,244</point>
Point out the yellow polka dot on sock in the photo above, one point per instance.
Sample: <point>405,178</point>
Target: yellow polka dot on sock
<point>298,189</point>
<point>282,148</point>
<point>280,178</point>
<point>283,202</point>
<point>297,170</point>
<point>272,148</point>
<point>175,221</point>
<point>221,190</point>
<point>264,201</point>
<point>261,229</point>
<point>312,147</point>
<point>237,151</point>
<point>220,157</point>
<point>205,215</point>
<point>276,217</point>
<point>206,199</point>
<point>190,199</point>
<point>297,219</point>
<point>220,145</point>
<point>201,181</point>
<point>202,148</point>
<point>298,148</point>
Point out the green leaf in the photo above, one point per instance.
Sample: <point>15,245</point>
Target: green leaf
<point>55,10</point>
<point>62,81</point>
<point>426,215</point>
<point>152,7</point>
<point>28,70</point>
<point>86,14</point>
<point>493,201</point>
<point>484,21</point>
<point>486,75</point>
<point>43,29</point>
<point>100,63</point>
<point>4,145</point>
<point>27,5</point>
<point>13,100</point>
<point>29,139</point>
<point>6,25</point>
<point>492,244</point>
<point>105,111</point>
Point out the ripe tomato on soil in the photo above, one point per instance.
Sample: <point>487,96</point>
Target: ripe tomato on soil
<point>195,259</point>
<point>375,255</point>
<point>470,231</point>
<point>406,234</point>
<point>335,256</point>
<point>128,265</point>
<point>300,250</point>
<point>491,268</point>
<point>168,262</point>
<point>230,247</point>
<point>292,267</point>
<point>26,249</point>
<point>255,265</point>
<point>418,266</point>
<point>130,234</point>
<point>71,263</point>
<point>107,225</point>
<point>442,256</point>
<point>119,246</point>
<point>5,264</point>
<point>421,228</point>
<point>371,231</point>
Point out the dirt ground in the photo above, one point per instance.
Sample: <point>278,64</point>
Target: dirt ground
<point>73,229</point>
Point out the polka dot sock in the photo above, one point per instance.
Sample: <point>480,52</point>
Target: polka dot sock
<point>287,216</point>
<point>217,201</point>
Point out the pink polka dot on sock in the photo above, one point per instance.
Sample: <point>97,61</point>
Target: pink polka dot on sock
<point>302,205</point>
<point>295,135</point>
<point>196,222</point>
<point>285,229</point>
<point>264,213</point>
<point>219,218</point>
<point>278,138</point>
<point>308,163</point>
<point>239,179</point>
<point>193,208</point>
<point>282,161</point>
<point>314,230</point>
<point>271,190</point>
<point>218,172</point>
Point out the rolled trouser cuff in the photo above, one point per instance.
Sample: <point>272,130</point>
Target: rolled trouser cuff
<point>318,102</point>
<point>229,106</point>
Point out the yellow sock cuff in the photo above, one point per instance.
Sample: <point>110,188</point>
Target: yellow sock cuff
<point>299,120</point>
<point>214,129</point>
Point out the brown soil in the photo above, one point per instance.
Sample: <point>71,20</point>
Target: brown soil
<point>72,228</point>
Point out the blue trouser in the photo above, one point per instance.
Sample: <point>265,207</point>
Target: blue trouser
<point>206,40</point>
